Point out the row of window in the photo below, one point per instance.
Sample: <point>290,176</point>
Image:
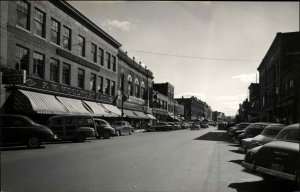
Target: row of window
<point>96,82</point>
<point>39,19</point>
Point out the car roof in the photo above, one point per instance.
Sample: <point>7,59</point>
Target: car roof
<point>275,126</point>
<point>292,126</point>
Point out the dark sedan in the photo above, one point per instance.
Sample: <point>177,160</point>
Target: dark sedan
<point>21,130</point>
<point>161,126</point>
<point>279,158</point>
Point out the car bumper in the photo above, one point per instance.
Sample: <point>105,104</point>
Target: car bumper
<point>248,166</point>
<point>274,173</point>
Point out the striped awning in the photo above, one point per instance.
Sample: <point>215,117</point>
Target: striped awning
<point>150,116</point>
<point>74,106</point>
<point>130,114</point>
<point>141,115</point>
<point>99,110</point>
<point>41,103</point>
<point>112,109</point>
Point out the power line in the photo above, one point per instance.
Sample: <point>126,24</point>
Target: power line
<point>195,57</point>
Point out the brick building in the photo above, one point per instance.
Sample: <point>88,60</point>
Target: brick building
<point>71,65</point>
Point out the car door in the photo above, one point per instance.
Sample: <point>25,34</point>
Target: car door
<point>21,129</point>
<point>57,126</point>
<point>100,126</point>
<point>8,132</point>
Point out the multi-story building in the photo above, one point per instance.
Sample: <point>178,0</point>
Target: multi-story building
<point>137,83</point>
<point>253,108</point>
<point>279,79</point>
<point>218,116</point>
<point>159,105</point>
<point>194,109</point>
<point>54,60</point>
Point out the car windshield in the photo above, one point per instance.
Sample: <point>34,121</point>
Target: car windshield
<point>271,132</point>
<point>289,135</point>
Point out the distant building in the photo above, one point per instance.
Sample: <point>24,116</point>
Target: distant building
<point>218,116</point>
<point>254,105</point>
<point>279,79</point>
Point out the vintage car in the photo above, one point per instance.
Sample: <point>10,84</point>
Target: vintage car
<point>161,126</point>
<point>268,135</point>
<point>251,131</point>
<point>122,128</point>
<point>194,126</point>
<point>231,131</point>
<point>279,158</point>
<point>21,130</point>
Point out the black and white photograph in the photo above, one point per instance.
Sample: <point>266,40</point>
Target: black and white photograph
<point>150,96</point>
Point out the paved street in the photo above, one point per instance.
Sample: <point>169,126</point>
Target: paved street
<point>184,160</point>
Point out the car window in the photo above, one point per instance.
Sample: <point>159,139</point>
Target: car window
<point>18,122</point>
<point>6,122</point>
<point>289,135</point>
<point>270,132</point>
<point>56,121</point>
<point>101,122</point>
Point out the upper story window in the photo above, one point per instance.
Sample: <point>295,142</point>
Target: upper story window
<point>114,63</point>
<point>107,88</point>
<point>39,23</point>
<point>130,85</point>
<point>81,46</point>
<point>112,88</point>
<point>94,53</point>
<point>55,30</point>
<point>93,82</point>
<point>100,84</point>
<point>67,38</point>
<point>101,54</point>
<point>38,64</point>
<point>137,88</point>
<point>66,72</point>
<point>54,70</point>
<point>143,96</point>
<point>108,60</point>
<point>23,16</point>
<point>22,58</point>
<point>81,78</point>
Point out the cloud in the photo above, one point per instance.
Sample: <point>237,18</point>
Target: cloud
<point>201,96</point>
<point>245,78</point>
<point>122,25</point>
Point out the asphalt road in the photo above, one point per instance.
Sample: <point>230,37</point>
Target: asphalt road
<point>183,160</point>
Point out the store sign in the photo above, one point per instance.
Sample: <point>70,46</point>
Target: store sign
<point>14,77</point>
<point>66,90</point>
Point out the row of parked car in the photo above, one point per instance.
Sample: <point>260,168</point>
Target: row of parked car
<point>169,126</point>
<point>271,149</point>
<point>17,129</point>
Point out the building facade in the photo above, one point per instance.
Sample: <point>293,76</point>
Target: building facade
<point>54,60</point>
<point>279,79</point>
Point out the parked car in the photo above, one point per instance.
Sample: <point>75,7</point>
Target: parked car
<point>251,131</point>
<point>268,135</point>
<point>222,125</point>
<point>183,125</point>
<point>177,126</point>
<point>161,126</point>
<point>73,127</point>
<point>204,125</point>
<point>21,130</point>
<point>104,129</point>
<point>122,128</point>
<point>279,158</point>
<point>231,131</point>
<point>195,126</point>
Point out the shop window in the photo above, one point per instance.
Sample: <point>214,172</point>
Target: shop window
<point>81,46</point>
<point>23,16</point>
<point>94,52</point>
<point>38,64</point>
<point>54,70</point>
<point>22,58</point>
<point>39,23</point>
<point>66,71</point>
<point>108,60</point>
<point>93,82</point>
<point>81,78</point>
<point>67,38</point>
<point>55,29</point>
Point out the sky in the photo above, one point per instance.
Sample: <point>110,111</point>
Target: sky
<point>210,50</point>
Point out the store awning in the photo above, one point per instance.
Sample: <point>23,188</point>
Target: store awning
<point>74,106</point>
<point>150,116</point>
<point>41,103</point>
<point>130,114</point>
<point>113,109</point>
<point>99,110</point>
<point>141,115</point>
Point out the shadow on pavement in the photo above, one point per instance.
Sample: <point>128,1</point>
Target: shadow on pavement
<point>236,151</point>
<point>234,145</point>
<point>262,186</point>
<point>237,161</point>
<point>215,136</point>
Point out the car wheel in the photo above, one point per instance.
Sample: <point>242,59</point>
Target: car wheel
<point>98,137</point>
<point>33,142</point>
<point>120,133</point>
<point>106,135</point>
